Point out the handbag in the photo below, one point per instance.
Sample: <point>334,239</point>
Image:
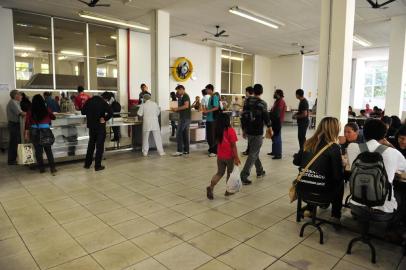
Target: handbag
<point>292,189</point>
<point>25,154</point>
<point>42,136</point>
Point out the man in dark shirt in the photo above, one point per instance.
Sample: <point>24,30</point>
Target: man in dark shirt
<point>302,117</point>
<point>144,90</point>
<point>185,115</point>
<point>254,116</point>
<point>97,112</point>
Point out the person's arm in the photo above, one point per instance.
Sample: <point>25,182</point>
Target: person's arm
<point>235,154</point>
<point>108,112</point>
<point>140,111</point>
<point>216,105</point>
<point>182,108</point>
<point>51,115</point>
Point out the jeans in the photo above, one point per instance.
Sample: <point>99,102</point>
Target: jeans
<point>210,136</point>
<point>14,139</point>
<point>255,144</point>
<point>97,136</point>
<point>182,136</point>
<point>173,125</point>
<point>277,144</point>
<point>39,150</point>
<point>301,132</point>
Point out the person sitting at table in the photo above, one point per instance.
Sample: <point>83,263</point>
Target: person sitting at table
<point>374,134</point>
<point>325,175</point>
<point>399,140</point>
<point>376,113</point>
<point>363,113</point>
<point>368,110</point>
<point>394,127</point>
<point>352,134</point>
<point>351,112</point>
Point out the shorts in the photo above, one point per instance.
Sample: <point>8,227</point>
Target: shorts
<point>223,164</point>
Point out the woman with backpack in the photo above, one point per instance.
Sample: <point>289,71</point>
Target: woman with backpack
<point>324,176</point>
<point>227,154</point>
<point>37,129</point>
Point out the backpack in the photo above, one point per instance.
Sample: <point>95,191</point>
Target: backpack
<point>115,106</point>
<point>252,114</point>
<point>369,184</point>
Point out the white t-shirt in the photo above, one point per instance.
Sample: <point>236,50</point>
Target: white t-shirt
<point>393,161</point>
<point>205,101</point>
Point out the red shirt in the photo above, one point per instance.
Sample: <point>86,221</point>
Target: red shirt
<point>80,100</point>
<point>224,150</point>
<point>280,106</point>
<point>29,121</point>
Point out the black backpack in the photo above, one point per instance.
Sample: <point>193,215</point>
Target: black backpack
<point>252,114</point>
<point>369,184</point>
<point>115,106</point>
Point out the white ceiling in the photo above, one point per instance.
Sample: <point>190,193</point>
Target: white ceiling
<point>194,17</point>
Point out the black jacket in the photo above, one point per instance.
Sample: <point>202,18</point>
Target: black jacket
<point>325,175</point>
<point>254,116</point>
<point>94,109</point>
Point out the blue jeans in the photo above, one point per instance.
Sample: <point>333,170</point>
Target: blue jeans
<point>277,144</point>
<point>182,135</point>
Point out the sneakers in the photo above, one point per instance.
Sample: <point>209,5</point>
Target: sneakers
<point>53,172</point>
<point>261,175</point>
<point>99,168</point>
<point>246,182</point>
<point>186,153</point>
<point>209,193</point>
<point>277,157</point>
<point>270,154</point>
<point>177,154</point>
<point>162,154</point>
<point>144,154</point>
<point>212,155</point>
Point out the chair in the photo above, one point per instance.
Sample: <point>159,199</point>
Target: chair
<point>313,200</point>
<point>364,216</point>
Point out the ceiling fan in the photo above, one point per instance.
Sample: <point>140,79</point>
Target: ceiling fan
<point>94,3</point>
<point>376,5</point>
<point>218,32</point>
<point>301,51</point>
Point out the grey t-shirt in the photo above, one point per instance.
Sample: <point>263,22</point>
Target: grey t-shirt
<point>13,111</point>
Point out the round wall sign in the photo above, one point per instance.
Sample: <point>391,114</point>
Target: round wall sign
<point>182,69</point>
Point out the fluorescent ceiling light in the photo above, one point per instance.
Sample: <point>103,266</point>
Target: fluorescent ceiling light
<point>113,37</point>
<point>99,18</point>
<point>221,43</point>
<point>72,53</point>
<point>62,57</point>
<point>24,48</point>
<point>255,17</point>
<point>232,57</point>
<point>361,41</point>
<point>24,54</point>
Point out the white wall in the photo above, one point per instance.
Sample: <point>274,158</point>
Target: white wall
<point>310,77</point>
<point>262,75</point>
<point>203,60</point>
<point>286,74</point>
<point>140,62</point>
<point>7,58</point>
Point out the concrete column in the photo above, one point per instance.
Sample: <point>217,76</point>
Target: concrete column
<point>122,80</point>
<point>336,38</point>
<point>396,67</point>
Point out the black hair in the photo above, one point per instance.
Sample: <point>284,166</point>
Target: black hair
<point>258,89</point>
<point>279,92</point>
<point>401,131</point>
<point>210,86</point>
<point>143,85</point>
<point>350,108</point>
<point>204,92</point>
<point>354,126</point>
<point>249,90</point>
<point>47,94</point>
<point>362,111</point>
<point>374,129</point>
<point>300,92</point>
<point>396,122</point>
<point>106,96</point>
<point>180,87</point>
<point>38,108</point>
<point>173,96</point>
<point>387,120</point>
<point>222,124</point>
<point>80,89</point>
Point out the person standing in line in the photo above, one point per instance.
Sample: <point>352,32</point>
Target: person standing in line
<point>150,111</point>
<point>249,92</point>
<point>205,99</point>
<point>144,90</point>
<point>255,115</point>
<point>278,117</point>
<point>212,112</point>
<point>302,118</point>
<point>97,112</point>
<point>25,103</point>
<point>40,117</point>
<point>185,115</point>
<point>13,117</point>
<point>116,108</point>
<point>173,123</point>
<point>81,98</point>
<point>51,103</point>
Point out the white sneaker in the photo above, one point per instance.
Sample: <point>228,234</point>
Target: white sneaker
<point>144,154</point>
<point>212,155</point>
<point>177,154</point>
<point>162,154</point>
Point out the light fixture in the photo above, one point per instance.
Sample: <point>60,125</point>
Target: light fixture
<point>361,41</point>
<point>255,17</point>
<point>232,57</point>
<point>71,53</point>
<point>99,18</point>
<point>38,37</point>
<point>113,37</point>
<point>62,57</point>
<point>24,54</point>
<point>24,48</point>
<point>221,43</point>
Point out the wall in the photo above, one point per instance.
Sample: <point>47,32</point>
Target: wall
<point>140,62</point>
<point>286,74</point>
<point>203,58</point>
<point>7,58</point>
<point>262,75</point>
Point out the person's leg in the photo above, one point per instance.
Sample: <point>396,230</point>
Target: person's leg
<point>254,148</point>
<point>158,141</point>
<point>14,140</point>
<point>179,135</point>
<point>90,147</point>
<point>209,128</point>
<point>145,142</point>
<point>101,137</point>
<point>116,132</point>
<point>50,156</point>
<point>221,170</point>
<point>173,124</point>
<point>277,145</point>
<point>186,139</point>
<point>257,148</point>
<point>213,139</point>
<point>39,157</point>
<point>230,167</point>
<point>301,135</point>
<point>337,202</point>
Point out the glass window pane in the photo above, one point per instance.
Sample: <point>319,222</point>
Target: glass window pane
<point>225,63</point>
<point>70,54</point>
<point>246,81</point>
<point>236,61</point>
<point>368,91</point>
<point>235,84</point>
<point>32,48</point>
<point>225,83</point>
<point>247,64</point>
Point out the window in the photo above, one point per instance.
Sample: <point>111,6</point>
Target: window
<point>23,71</point>
<point>45,68</point>
<point>376,74</point>
<point>115,73</point>
<point>236,72</point>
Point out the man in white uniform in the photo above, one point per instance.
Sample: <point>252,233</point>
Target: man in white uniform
<point>150,111</point>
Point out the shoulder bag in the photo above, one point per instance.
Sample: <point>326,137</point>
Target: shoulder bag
<point>292,189</point>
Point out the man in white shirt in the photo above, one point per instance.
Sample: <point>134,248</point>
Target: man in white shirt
<point>205,99</point>
<point>374,134</point>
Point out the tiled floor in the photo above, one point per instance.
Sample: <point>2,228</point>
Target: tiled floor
<point>152,213</point>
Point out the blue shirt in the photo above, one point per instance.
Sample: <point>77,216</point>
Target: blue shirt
<point>212,103</point>
<point>52,104</point>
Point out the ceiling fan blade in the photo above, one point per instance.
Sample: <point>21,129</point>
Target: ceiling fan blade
<point>103,5</point>
<point>289,54</point>
<point>221,32</point>
<point>86,3</point>
<point>210,33</point>
<point>224,35</point>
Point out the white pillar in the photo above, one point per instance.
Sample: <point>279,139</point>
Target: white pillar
<point>122,80</point>
<point>396,67</point>
<point>336,38</point>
